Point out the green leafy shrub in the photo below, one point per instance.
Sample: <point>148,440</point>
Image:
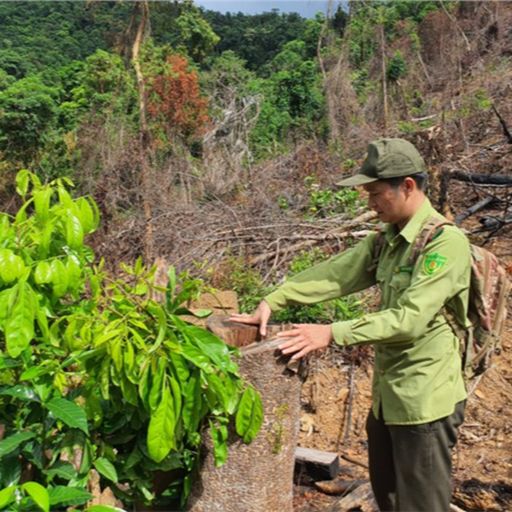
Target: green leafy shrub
<point>327,202</point>
<point>95,372</point>
<point>345,308</point>
<point>397,67</point>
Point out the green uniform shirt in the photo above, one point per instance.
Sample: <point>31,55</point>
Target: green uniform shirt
<point>417,375</point>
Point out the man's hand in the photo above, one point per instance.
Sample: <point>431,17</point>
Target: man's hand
<point>304,338</point>
<point>260,316</point>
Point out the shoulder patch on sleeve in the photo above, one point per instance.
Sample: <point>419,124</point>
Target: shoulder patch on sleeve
<point>432,262</point>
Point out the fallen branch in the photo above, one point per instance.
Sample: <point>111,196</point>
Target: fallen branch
<point>348,458</point>
<point>479,179</point>
<point>473,209</point>
<point>504,126</point>
<point>356,498</point>
<point>343,231</point>
<point>338,487</point>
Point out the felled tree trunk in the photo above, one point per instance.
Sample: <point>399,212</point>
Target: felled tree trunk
<point>257,476</point>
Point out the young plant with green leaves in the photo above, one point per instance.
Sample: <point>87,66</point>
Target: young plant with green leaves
<point>96,373</point>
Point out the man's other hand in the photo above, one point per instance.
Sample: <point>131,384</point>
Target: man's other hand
<point>260,316</point>
<point>304,338</point>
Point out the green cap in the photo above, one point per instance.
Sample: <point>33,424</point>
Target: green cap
<point>387,158</point>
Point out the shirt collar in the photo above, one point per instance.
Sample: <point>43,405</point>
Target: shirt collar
<point>412,229</point>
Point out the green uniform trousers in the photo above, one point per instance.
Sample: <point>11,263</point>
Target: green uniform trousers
<point>410,465</point>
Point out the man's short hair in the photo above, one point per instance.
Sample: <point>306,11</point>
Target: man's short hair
<point>420,178</point>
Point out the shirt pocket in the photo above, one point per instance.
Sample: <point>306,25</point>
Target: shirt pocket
<point>400,282</point>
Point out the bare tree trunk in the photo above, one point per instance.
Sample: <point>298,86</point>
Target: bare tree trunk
<point>143,9</point>
<point>384,78</point>
<point>330,92</point>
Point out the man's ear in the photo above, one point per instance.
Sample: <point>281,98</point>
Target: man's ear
<point>409,185</point>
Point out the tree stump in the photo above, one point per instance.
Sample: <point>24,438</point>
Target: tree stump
<point>257,476</point>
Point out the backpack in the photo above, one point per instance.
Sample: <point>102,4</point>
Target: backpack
<point>487,308</point>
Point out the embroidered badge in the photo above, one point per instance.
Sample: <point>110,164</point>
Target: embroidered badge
<point>433,262</point>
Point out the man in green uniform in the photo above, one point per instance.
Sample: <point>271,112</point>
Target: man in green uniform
<point>418,388</point>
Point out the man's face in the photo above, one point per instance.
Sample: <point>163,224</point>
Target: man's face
<point>388,202</point>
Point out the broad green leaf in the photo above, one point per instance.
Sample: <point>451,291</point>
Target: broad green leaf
<point>59,278</point>
<point>161,428</point>
<point>22,182</point>
<point>6,496</point>
<point>38,494</point>
<point>42,323</point>
<point>216,385</point>
<point>74,273</point>
<point>61,469</point>
<point>86,464</point>
<point>86,215</point>
<point>157,383</point>
<point>162,328</point>
<point>103,508</point>
<point>43,273</point>
<point>129,390</point>
<point>129,363</point>
<point>249,416</point>
<point>192,404</point>
<point>69,413</point>
<point>8,362</point>
<point>104,378</point>
<point>10,470</point>
<point>202,313</point>
<point>74,232</point>
<point>61,495</point>
<point>34,372</point>
<point>46,238</point>
<point>144,383</point>
<point>11,266</point>
<point>196,357</point>
<point>116,353</point>
<point>171,285</point>
<point>176,394</point>
<point>7,297</point>
<point>213,347</point>
<point>106,469</point>
<point>42,203</point>
<point>180,367</point>
<point>219,435</point>
<point>65,199</point>
<point>19,391</point>
<point>19,326</point>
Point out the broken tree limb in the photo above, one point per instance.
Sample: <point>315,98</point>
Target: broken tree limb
<point>354,461</point>
<point>504,126</point>
<point>479,179</point>
<point>343,231</point>
<point>473,209</point>
<point>317,463</point>
<point>339,487</point>
<point>362,495</point>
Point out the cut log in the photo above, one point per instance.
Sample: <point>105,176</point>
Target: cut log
<point>233,333</point>
<point>257,476</point>
<point>318,464</point>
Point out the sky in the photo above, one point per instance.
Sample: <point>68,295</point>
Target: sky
<point>306,8</point>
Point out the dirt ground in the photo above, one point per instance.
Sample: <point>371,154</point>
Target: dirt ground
<point>336,398</point>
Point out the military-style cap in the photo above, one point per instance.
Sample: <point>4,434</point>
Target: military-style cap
<point>387,158</point>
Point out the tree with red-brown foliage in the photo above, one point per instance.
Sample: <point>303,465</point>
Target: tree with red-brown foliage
<point>175,104</point>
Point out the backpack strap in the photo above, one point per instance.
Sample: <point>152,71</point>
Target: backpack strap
<point>378,246</point>
<point>430,230</point>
